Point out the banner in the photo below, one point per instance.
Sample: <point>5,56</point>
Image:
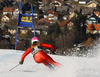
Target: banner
<point>27,19</point>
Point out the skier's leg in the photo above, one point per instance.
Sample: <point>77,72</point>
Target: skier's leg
<point>42,57</point>
<point>50,60</point>
<point>45,63</point>
<point>48,64</point>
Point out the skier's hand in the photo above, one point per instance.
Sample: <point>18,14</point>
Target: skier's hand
<point>54,52</point>
<point>21,62</point>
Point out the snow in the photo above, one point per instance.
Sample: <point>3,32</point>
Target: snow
<point>72,66</point>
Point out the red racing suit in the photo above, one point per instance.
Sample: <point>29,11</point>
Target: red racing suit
<point>40,56</point>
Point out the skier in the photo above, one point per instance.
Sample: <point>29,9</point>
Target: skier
<point>38,54</point>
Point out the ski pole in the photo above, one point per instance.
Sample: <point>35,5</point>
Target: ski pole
<point>14,67</point>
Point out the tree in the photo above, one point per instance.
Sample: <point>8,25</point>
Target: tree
<point>12,22</point>
<point>66,40</point>
<point>80,28</point>
<point>65,29</point>
<point>1,7</point>
<point>54,29</point>
<point>27,5</point>
<point>32,1</point>
<point>52,33</point>
<point>36,6</point>
<point>26,44</point>
<point>83,27</point>
<point>92,26</point>
<point>30,34</point>
<point>40,14</point>
<point>0,16</point>
<point>1,31</point>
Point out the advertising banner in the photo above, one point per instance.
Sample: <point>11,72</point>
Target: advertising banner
<point>27,19</point>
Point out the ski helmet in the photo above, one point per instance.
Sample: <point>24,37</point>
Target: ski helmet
<point>34,39</point>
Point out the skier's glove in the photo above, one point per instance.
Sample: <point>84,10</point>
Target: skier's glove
<point>21,62</point>
<point>54,52</point>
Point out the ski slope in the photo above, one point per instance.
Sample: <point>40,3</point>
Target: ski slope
<point>72,66</point>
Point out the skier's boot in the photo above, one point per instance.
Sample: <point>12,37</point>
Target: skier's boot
<point>50,66</point>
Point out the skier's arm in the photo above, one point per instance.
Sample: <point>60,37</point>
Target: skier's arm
<point>26,53</point>
<point>48,46</point>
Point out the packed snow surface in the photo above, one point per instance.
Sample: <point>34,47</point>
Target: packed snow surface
<point>71,66</point>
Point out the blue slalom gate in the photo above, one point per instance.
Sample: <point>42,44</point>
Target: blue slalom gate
<point>24,20</point>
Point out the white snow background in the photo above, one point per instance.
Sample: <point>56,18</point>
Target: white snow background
<point>72,66</point>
